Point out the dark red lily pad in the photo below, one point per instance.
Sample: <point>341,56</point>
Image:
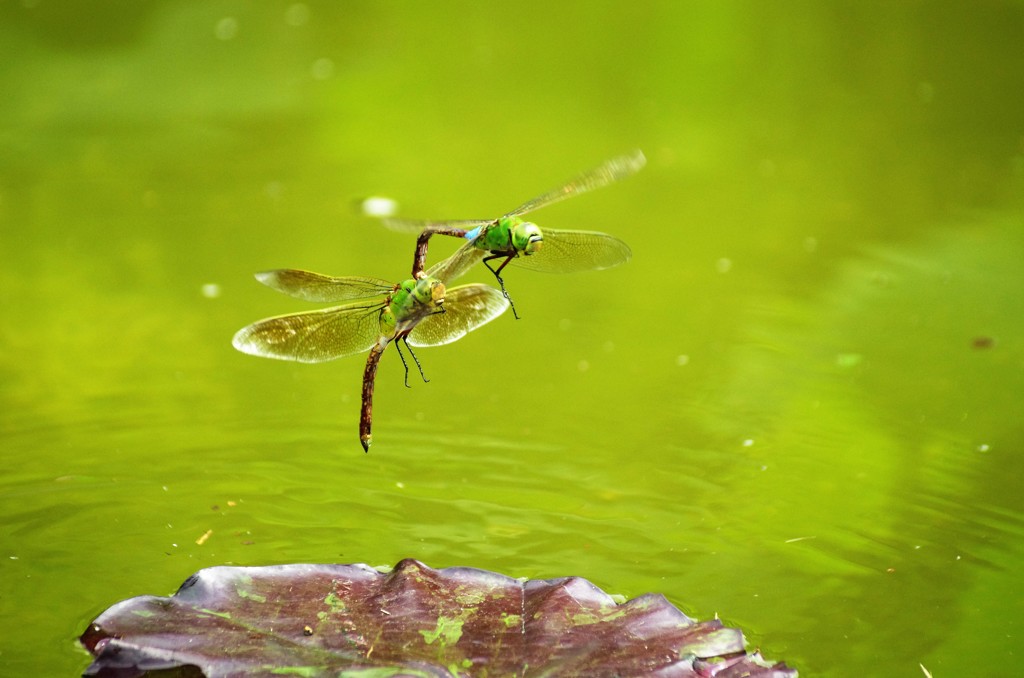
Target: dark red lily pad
<point>353,620</point>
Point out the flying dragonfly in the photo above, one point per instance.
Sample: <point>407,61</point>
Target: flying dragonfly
<point>415,312</point>
<point>511,239</point>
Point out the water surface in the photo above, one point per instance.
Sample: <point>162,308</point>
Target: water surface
<point>797,407</point>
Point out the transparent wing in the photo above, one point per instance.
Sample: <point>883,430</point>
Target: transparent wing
<point>572,251</point>
<point>458,263</point>
<point>313,336</point>
<point>420,225</point>
<point>467,307</point>
<point>610,171</point>
<point>324,288</point>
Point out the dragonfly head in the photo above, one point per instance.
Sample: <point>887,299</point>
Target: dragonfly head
<point>527,237</point>
<point>429,291</point>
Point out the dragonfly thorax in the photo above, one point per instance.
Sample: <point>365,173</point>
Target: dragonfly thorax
<point>412,301</point>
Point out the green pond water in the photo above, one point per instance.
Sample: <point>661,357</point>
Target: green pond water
<point>799,406</point>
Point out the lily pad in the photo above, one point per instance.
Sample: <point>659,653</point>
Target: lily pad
<point>354,620</point>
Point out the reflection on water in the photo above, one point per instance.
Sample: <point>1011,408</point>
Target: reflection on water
<point>907,471</point>
<point>795,407</point>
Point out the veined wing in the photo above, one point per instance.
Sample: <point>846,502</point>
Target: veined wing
<point>313,336</point>
<point>608,172</point>
<point>572,251</point>
<point>420,225</point>
<point>323,288</point>
<point>458,263</point>
<point>466,308</point>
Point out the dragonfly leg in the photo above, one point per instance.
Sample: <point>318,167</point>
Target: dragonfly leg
<point>405,340</point>
<point>497,275</point>
<point>398,347</point>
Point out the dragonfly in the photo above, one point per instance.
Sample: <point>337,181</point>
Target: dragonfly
<point>512,239</point>
<point>374,314</point>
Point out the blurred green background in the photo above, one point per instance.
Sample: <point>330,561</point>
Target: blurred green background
<point>798,407</point>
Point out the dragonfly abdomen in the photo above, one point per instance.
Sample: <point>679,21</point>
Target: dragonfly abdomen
<point>369,378</point>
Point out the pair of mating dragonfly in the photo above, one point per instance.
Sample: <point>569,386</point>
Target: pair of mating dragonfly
<point>423,311</point>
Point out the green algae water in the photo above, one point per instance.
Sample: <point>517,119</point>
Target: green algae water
<point>797,407</point>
